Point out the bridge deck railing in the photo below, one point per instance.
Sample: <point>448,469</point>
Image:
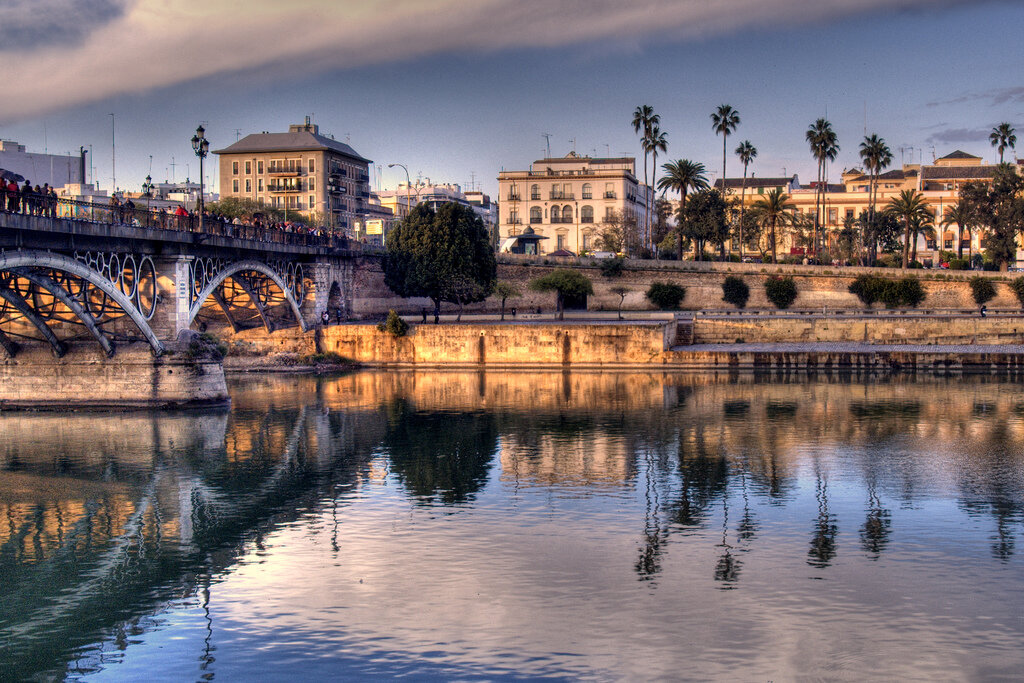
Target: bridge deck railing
<point>154,219</point>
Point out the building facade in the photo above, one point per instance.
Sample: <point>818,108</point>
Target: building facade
<point>53,169</point>
<point>568,202</point>
<point>301,171</point>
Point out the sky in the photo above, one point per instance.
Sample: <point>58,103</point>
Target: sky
<point>458,90</point>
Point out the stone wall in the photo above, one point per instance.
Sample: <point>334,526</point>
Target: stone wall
<point>84,377</point>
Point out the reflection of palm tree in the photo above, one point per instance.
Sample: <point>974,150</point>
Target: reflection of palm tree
<point>648,565</point>
<point>874,535</point>
<point>727,569</point>
<point>823,542</point>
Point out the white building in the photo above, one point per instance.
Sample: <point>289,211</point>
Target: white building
<point>54,169</point>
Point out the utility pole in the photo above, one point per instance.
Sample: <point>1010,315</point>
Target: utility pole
<point>238,134</point>
<point>113,159</point>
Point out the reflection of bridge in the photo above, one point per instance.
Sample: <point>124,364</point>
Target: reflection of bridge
<point>114,278</point>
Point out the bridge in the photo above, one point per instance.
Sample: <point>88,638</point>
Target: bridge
<point>84,287</point>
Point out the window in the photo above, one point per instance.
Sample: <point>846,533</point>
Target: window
<point>259,184</point>
<point>513,217</point>
<point>234,169</point>
<point>587,191</point>
<point>556,191</point>
<point>248,185</point>
<point>561,241</point>
<point>849,214</point>
<point>259,167</point>
<point>586,241</point>
<point>248,168</point>
<point>587,214</point>
<point>312,166</point>
<point>312,201</point>
<point>535,192</point>
<point>234,185</point>
<point>567,214</point>
<point>833,215</point>
<point>535,214</point>
<point>609,190</point>
<point>609,214</point>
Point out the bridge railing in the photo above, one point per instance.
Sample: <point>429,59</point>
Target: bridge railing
<point>156,219</point>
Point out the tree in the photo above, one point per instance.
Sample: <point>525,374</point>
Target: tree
<point>959,214</point>
<point>661,227</point>
<point>999,210</point>
<point>704,218</point>
<point>780,290</point>
<point>1001,137</point>
<point>910,206</point>
<point>682,176</point>
<point>665,295</point>
<point>621,291</point>
<point>445,256</point>
<point>982,289</point>
<point>774,209</point>
<point>876,156</point>
<point>645,119</point>
<point>621,233</point>
<point>824,148</point>
<point>565,283</point>
<point>746,152</point>
<point>654,142</point>
<point>724,121</point>
<point>735,291</point>
<point>504,291</point>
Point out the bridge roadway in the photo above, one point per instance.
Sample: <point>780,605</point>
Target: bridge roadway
<point>91,278</point>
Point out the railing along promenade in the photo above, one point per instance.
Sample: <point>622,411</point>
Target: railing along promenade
<point>175,226</point>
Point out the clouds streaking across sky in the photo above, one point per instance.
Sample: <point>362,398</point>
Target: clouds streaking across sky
<point>452,87</point>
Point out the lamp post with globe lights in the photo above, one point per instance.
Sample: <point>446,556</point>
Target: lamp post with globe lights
<point>147,189</point>
<point>202,147</point>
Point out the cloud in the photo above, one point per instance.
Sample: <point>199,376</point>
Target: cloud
<point>115,47</point>
<point>28,24</point>
<point>994,97</point>
<point>953,135</point>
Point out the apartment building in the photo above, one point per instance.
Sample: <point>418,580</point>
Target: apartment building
<point>301,171</point>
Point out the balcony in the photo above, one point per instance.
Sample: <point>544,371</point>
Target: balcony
<point>536,219</point>
<point>515,221</point>
<point>562,196</point>
<point>609,195</point>
<point>284,171</point>
<point>513,197</point>
<point>286,189</point>
<point>535,196</point>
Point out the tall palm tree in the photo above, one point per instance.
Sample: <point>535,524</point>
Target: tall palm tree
<point>961,216</point>
<point>747,153</point>
<point>775,210</point>
<point>1002,136</point>
<point>724,121</point>
<point>876,156</point>
<point>644,119</point>
<point>910,206</point>
<point>682,176</point>
<point>655,141</point>
<point>824,148</point>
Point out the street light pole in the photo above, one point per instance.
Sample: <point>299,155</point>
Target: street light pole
<point>147,187</point>
<point>408,182</point>
<point>202,147</point>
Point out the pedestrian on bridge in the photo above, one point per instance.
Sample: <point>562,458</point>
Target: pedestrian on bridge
<point>12,197</point>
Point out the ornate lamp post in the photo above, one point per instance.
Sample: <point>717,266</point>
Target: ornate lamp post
<point>202,147</point>
<point>147,189</point>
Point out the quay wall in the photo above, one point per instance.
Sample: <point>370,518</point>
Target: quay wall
<point>84,377</point>
<point>818,287</point>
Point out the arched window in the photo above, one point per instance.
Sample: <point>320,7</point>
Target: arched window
<point>556,214</point>
<point>535,192</point>
<point>535,214</point>
<point>588,192</point>
<point>587,214</point>
<point>567,214</point>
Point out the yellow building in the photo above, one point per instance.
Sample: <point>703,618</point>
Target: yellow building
<point>568,201</point>
<point>300,171</point>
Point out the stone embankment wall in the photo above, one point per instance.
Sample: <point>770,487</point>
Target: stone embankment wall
<point>84,377</point>
<point>916,329</point>
<point>817,286</point>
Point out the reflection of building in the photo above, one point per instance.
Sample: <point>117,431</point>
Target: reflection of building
<point>587,459</point>
<point>57,170</point>
<point>569,200</point>
<point>939,182</point>
<point>300,171</point>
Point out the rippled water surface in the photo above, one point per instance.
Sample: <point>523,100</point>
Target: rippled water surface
<point>489,525</point>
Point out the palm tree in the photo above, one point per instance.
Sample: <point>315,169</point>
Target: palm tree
<point>682,176</point>
<point>959,214</point>
<point>876,156</point>
<point>655,141</point>
<point>774,209</point>
<point>724,121</point>
<point>824,148</point>
<point>1002,136</point>
<point>746,152</point>
<point>911,207</point>
<point>644,119</point>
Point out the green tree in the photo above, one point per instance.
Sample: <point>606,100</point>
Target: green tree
<point>735,291</point>
<point>982,289</point>
<point>911,207</point>
<point>1001,137</point>
<point>1017,287</point>
<point>445,256</point>
<point>1000,211</point>
<point>780,290</point>
<point>644,119</point>
<point>662,213</point>
<point>655,141</point>
<point>774,210</point>
<point>504,291</point>
<point>824,148</point>
<point>959,215</point>
<point>665,295</point>
<point>747,153</point>
<point>876,156</point>
<point>724,121</point>
<point>682,176</point>
<point>704,219</point>
<point>566,283</point>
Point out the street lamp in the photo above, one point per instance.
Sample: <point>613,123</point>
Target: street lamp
<point>202,147</point>
<point>408,182</point>
<point>147,189</point>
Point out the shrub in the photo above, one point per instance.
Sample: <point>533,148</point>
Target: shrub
<point>613,267</point>
<point>903,292</point>
<point>982,289</point>
<point>780,290</point>
<point>866,288</point>
<point>1017,287</point>
<point>959,264</point>
<point>394,325</point>
<point>666,295</point>
<point>735,291</point>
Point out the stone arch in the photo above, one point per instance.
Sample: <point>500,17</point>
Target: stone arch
<point>241,267</point>
<point>335,298</point>
<point>30,258</point>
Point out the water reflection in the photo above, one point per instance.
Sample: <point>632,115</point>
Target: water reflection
<point>690,487</point>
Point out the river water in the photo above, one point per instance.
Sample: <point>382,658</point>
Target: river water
<point>463,525</point>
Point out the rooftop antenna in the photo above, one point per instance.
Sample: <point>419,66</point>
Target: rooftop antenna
<point>573,141</point>
<point>547,138</point>
<point>238,134</point>
<point>472,181</point>
<point>172,169</point>
<point>608,149</point>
